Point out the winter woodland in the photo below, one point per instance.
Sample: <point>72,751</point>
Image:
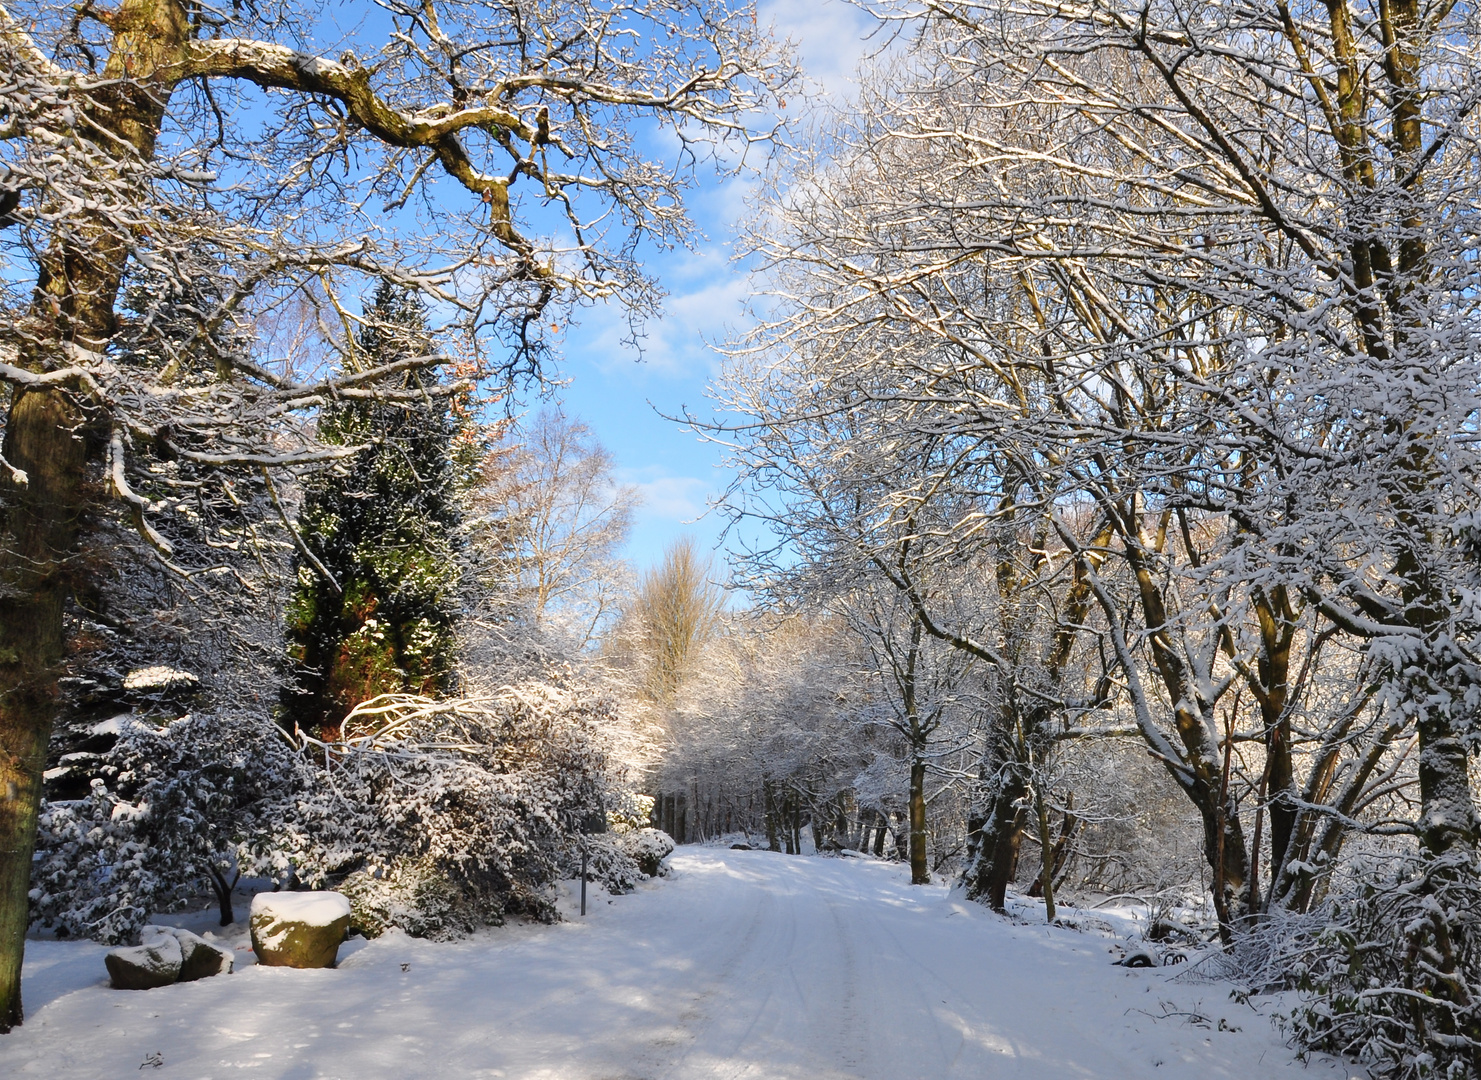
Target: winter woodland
<point>1106,498</point>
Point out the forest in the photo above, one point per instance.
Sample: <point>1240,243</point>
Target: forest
<point>1104,499</point>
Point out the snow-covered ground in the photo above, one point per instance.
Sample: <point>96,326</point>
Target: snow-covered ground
<point>743,964</point>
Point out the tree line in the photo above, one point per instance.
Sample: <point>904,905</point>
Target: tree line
<point>1116,367</point>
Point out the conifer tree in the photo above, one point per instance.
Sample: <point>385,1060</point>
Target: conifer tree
<point>378,614</point>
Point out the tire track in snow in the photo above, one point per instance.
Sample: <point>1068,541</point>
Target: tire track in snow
<point>762,1013</point>
<point>671,1050</point>
<point>849,1049</point>
<point>931,1006</point>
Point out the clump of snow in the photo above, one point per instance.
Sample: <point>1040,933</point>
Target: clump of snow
<point>114,725</point>
<point>305,908</point>
<point>158,677</point>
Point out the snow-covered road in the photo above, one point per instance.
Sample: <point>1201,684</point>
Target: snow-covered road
<point>743,965</point>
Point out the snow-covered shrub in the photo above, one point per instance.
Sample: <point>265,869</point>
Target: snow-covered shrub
<point>168,804</point>
<point>625,854</point>
<point>440,817</point>
<point>648,848</point>
<point>1393,974</point>
<point>435,817</point>
<point>608,862</point>
<point>413,895</point>
<point>629,811</point>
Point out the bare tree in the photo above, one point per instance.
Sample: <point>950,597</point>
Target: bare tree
<point>563,518</point>
<point>922,682</point>
<point>674,613</point>
<point>1203,275</point>
<point>764,733</point>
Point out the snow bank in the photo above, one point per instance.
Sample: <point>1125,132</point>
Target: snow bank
<point>305,908</point>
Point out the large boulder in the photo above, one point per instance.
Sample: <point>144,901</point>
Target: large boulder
<point>299,929</point>
<point>143,967</point>
<point>199,959</point>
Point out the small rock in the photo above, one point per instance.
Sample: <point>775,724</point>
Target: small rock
<point>199,959</point>
<point>299,929</point>
<point>143,967</point>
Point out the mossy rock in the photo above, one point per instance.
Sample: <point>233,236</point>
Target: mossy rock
<point>301,930</point>
<point>143,967</point>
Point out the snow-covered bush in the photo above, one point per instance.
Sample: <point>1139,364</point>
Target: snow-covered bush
<point>629,811</point>
<point>646,847</point>
<point>1393,974</point>
<point>440,817</point>
<point>607,861</point>
<point>628,851</point>
<point>169,803</point>
<point>435,817</point>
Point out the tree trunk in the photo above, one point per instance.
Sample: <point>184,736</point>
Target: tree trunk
<point>1447,821</point>
<point>41,523</point>
<point>1046,853</point>
<point>222,888</point>
<point>920,871</point>
<point>1061,849</point>
<point>997,858</point>
<point>45,437</point>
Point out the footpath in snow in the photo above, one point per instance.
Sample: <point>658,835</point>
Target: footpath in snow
<point>745,964</point>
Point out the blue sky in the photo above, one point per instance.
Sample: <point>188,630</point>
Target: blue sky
<point>616,392</point>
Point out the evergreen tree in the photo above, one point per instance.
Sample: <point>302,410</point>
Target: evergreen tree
<point>378,614</point>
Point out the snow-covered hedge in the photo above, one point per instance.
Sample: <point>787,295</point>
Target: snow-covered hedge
<point>1392,973</point>
<point>435,817</point>
<point>440,817</point>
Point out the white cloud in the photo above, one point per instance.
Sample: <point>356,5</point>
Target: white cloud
<point>707,294</point>
<point>830,36</point>
<point>674,499</point>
